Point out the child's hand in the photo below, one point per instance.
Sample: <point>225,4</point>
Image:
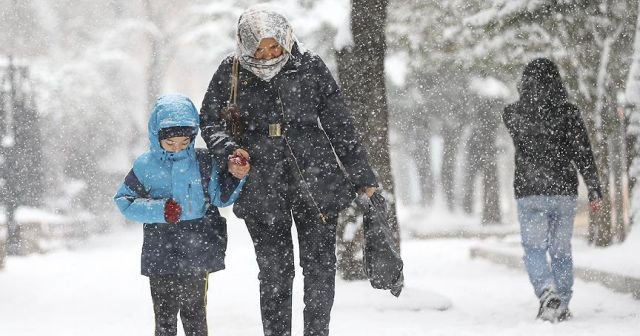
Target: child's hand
<point>238,164</point>
<point>172,211</point>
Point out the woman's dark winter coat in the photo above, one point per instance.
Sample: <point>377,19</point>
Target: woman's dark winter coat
<point>306,100</point>
<point>549,136</point>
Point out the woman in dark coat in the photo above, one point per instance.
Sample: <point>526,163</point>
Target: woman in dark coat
<point>551,146</point>
<point>298,136</point>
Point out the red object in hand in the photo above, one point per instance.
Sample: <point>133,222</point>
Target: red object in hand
<point>238,159</point>
<point>172,211</point>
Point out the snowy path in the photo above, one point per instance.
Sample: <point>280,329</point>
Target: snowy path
<point>96,290</point>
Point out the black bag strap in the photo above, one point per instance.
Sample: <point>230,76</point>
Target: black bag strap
<point>205,164</point>
<point>235,70</point>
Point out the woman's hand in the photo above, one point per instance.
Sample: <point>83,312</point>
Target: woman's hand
<point>238,163</point>
<point>595,205</point>
<point>369,191</point>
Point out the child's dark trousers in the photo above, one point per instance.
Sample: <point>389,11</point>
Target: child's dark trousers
<point>185,294</point>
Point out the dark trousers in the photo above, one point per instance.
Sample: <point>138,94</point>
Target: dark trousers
<point>271,235</point>
<point>185,294</point>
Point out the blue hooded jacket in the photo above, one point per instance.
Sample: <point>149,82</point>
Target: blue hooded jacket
<point>196,244</point>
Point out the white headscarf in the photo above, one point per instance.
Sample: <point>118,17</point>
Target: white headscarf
<point>257,23</point>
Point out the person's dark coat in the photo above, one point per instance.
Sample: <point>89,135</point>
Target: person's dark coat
<point>306,100</point>
<point>549,136</point>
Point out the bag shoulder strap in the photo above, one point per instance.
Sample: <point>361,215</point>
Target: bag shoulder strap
<point>205,165</point>
<point>235,69</point>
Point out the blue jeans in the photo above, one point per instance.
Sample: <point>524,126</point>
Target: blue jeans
<point>546,226</point>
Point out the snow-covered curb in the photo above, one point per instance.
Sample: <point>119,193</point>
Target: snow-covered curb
<point>616,282</point>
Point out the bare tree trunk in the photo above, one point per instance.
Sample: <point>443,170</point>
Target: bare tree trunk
<point>469,187</point>
<point>421,152</point>
<point>451,139</point>
<point>632,111</point>
<point>491,212</point>
<point>361,71</point>
<point>491,207</point>
<point>600,223</point>
<point>619,170</point>
<point>22,167</point>
<point>349,230</point>
<point>368,24</point>
<point>480,162</point>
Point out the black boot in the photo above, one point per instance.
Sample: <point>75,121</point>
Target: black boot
<point>565,314</point>
<point>549,305</point>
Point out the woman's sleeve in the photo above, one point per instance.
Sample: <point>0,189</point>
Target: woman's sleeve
<point>133,202</point>
<point>339,126</point>
<point>212,125</point>
<point>224,188</point>
<point>580,150</point>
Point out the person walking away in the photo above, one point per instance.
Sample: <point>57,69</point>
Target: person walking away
<point>551,146</point>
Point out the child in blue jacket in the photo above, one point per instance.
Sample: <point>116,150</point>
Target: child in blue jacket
<point>176,191</point>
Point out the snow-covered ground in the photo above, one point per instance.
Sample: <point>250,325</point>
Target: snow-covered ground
<point>95,289</point>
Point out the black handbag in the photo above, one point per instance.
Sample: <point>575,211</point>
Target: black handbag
<point>382,261</point>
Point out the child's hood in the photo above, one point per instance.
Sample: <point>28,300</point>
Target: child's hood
<point>169,111</point>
